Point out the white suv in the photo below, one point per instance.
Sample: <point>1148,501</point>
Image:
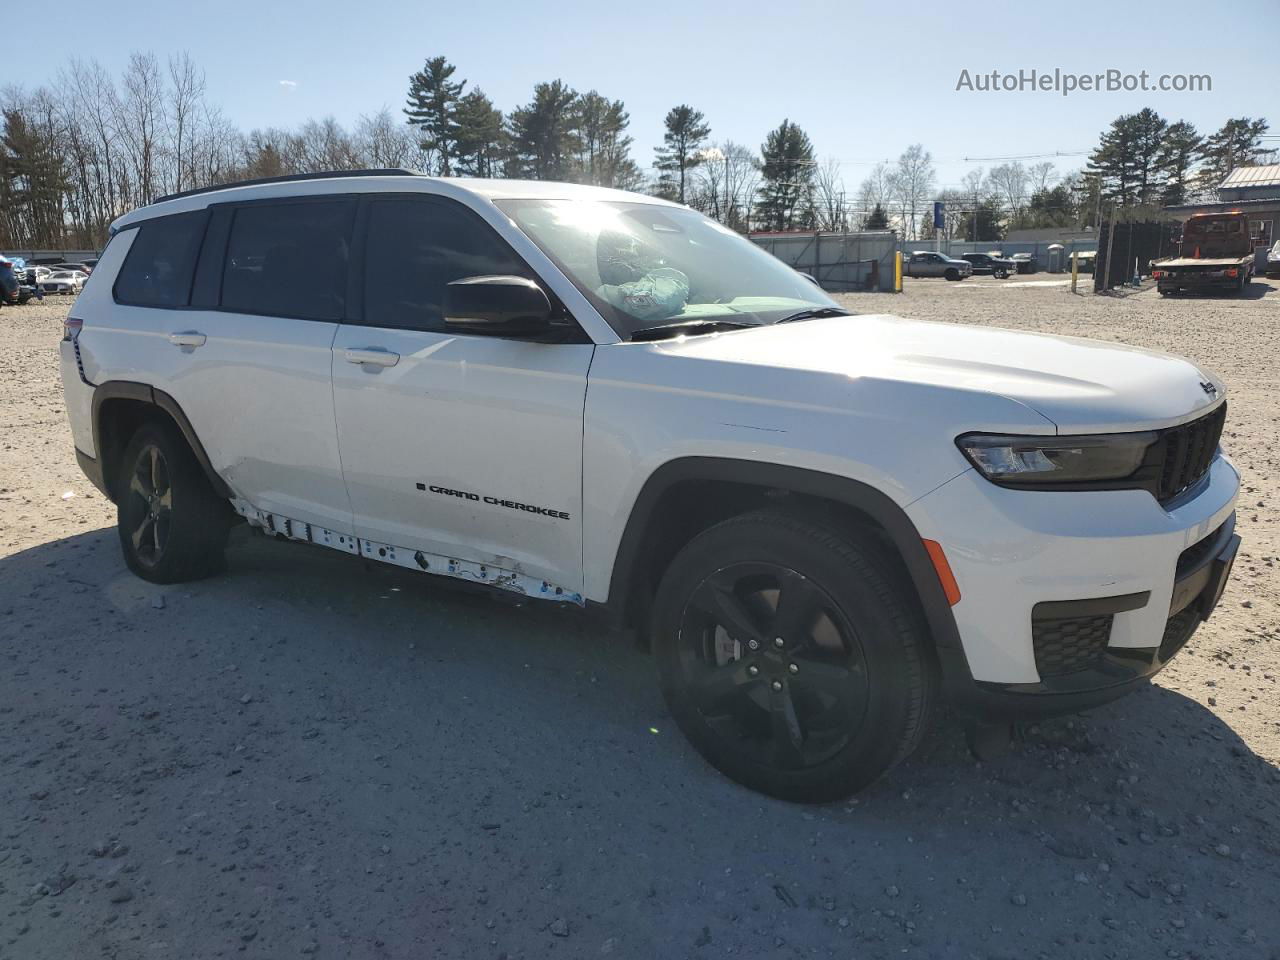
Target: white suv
<point>820,521</point>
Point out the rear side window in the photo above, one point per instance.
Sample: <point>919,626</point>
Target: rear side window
<point>289,259</point>
<point>414,249</point>
<point>157,270</point>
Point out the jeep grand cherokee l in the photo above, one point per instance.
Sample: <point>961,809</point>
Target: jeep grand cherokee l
<point>822,522</point>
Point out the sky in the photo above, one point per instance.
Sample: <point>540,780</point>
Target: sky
<point>863,80</point>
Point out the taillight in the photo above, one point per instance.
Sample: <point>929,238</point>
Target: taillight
<point>1232,272</point>
<point>71,328</point>
<point>1157,274</point>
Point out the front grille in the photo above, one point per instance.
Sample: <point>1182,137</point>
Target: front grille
<point>1068,645</point>
<point>1184,452</point>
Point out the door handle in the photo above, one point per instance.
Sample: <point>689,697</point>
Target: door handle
<point>188,338</point>
<point>372,355</point>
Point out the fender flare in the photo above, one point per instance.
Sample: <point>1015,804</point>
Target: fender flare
<point>866,499</point>
<point>145,393</point>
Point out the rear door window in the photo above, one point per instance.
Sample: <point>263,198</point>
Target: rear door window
<point>157,270</point>
<point>289,259</point>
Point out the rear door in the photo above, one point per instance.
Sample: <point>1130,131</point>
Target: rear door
<point>459,445</point>
<point>248,359</point>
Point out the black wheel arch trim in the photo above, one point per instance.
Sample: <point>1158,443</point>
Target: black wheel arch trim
<point>145,393</point>
<point>843,490</point>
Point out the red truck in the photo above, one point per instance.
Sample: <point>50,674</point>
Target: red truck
<point>1215,253</point>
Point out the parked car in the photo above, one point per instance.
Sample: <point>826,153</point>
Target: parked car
<point>1273,260</point>
<point>821,523</point>
<point>64,282</point>
<point>1026,262</point>
<point>10,284</point>
<point>84,268</point>
<point>989,264</point>
<point>924,263</point>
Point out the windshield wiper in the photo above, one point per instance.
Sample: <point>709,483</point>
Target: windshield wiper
<point>689,327</point>
<point>815,313</point>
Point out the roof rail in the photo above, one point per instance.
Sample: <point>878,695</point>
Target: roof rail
<point>290,178</point>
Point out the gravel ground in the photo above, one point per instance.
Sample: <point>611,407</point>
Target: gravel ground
<point>307,757</point>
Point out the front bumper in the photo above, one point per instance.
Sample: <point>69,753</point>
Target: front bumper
<point>1042,575</point>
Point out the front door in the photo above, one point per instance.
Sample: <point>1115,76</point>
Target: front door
<point>462,446</point>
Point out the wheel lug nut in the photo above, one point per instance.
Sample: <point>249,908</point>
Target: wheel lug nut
<point>753,644</point>
<point>753,670</point>
<point>777,685</point>
<point>777,642</point>
<point>793,668</point>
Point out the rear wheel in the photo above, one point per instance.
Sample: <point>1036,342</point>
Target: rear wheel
<point>791,659</point>
<point>172,525</point>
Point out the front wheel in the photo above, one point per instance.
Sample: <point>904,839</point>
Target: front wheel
<point>952,274</point>
<point>792,658</point>
<point>1001,274</point>
<point>172,525</point>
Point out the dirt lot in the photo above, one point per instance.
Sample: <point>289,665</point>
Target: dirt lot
<point>304,757</point>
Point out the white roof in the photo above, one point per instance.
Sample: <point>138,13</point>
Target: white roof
<point>1264,176</point>
<point>457,187</point>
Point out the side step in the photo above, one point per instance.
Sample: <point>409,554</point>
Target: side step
<point>419,560</point>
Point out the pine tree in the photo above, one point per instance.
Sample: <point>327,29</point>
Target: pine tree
<point>544,133</point>
<point>1128,158</point>
<point>686,132</point>
<point>604,148</point>
<point>877,219</point>
<point>1177,155</point>
<point>1237,144</point>
<point>482,139</point>
<point>786,194</point>
<point>433,106</point>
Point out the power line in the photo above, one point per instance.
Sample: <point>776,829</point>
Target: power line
<point>1028,156</point>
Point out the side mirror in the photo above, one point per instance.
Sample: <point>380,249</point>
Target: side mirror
<point>496,307</point>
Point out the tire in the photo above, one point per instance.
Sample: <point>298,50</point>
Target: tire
<point>841,695</point>
<point>172,526</point>
<point>952,274</point>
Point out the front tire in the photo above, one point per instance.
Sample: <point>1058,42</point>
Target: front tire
<point>172,525</point>
<point>952,274</point>
<point>793,659</point>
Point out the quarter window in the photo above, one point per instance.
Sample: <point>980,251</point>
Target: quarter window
<point>289,259</point>
<point>416,248</point>
<point>157,270</point>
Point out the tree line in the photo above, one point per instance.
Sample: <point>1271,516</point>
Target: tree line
<point>76,154</point>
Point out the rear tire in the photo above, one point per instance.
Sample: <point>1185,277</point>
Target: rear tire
<point>172,525</point>
<point>793,659</point>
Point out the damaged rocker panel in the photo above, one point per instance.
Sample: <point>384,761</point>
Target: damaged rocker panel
<point>419,560</point>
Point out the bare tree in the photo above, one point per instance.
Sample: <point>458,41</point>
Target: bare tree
<point>1009,182</point>
<point>1040,175</point>
<point>138,117</point>
<point>185,96</point>
<point>913,182</point>
<point>381,141</point>
<point>875,191</point>
<point>829,200</point>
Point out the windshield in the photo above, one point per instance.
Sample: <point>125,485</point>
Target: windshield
<point>644,265</point>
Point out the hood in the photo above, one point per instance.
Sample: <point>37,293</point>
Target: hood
<point>1081,386</point>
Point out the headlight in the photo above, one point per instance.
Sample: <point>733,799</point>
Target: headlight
<point>1083,461</point>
